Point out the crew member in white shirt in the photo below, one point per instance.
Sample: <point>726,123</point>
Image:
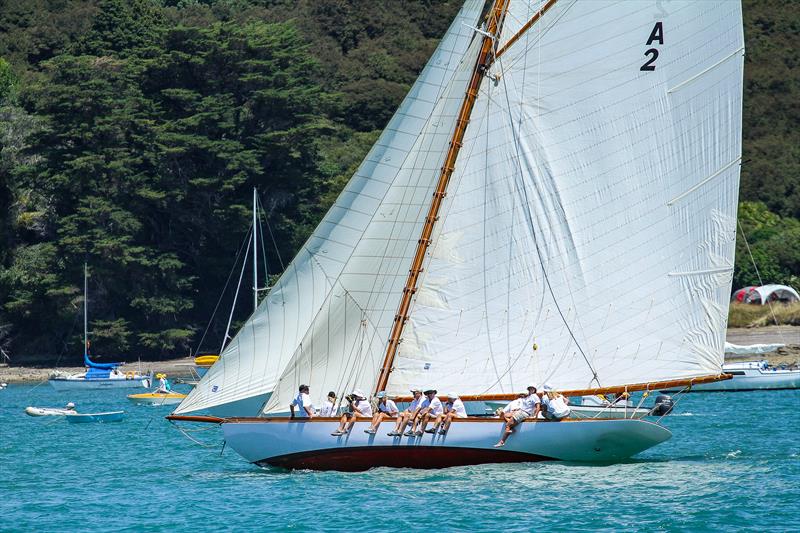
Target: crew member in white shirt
<point>512,406</point>
<point>529,406</point>
<point>554,405</point>
<point>386,409</point>
<point>329,407</point>
<point>303,402</point>
<point>431,408</point>
<point>409,414</point>
<point>358,406</point>
<point>454,408</point>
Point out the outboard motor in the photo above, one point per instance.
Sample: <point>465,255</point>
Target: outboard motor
<point>663,405</point>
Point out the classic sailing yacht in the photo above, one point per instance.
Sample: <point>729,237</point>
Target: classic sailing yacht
<point>554,201</point>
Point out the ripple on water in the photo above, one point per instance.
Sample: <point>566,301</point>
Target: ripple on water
<point>725,468</point>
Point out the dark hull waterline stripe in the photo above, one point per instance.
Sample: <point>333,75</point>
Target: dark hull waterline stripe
<point>362,458</point>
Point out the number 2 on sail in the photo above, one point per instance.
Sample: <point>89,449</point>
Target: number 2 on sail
<point>656,35</point>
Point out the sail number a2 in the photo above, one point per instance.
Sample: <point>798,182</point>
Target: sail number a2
<point>657,35</point>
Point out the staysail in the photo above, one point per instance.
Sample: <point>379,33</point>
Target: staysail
<point>335,297</point>
<point>587,237</point>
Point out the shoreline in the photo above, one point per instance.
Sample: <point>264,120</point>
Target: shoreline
<point>173,368</point>
<point>181,367</point>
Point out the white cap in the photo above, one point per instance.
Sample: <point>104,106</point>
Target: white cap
<point>70,405</point>
<point>452,395</point>
<point>547,387</point>
<point>357,392</point>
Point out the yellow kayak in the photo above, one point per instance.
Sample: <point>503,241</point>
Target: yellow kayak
<point>157,398</point>
<point>205,360</point>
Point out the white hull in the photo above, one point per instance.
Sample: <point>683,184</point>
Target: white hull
<point>73,384</point>
<point>752,379</point>
<point>87,418</point>
<point>309,444</point>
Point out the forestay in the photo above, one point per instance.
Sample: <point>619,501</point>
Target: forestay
<point>336,300</point>
<point>602,157</point>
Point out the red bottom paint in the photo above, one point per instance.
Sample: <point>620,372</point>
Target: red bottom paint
<point>366,457</point>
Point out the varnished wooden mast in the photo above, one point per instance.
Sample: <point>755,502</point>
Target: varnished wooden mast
<point>484,58</point>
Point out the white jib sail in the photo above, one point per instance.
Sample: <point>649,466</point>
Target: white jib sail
<point>593,207</point>
<point>368,226</point>
<point>346,344</point>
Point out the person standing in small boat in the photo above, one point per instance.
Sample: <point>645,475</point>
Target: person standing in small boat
<point>529,406</point>
<point>554,405</point>
<point>303,402</point>
<point>358,406</point>
<point>386,409</point>
<point>454,408</point>
<point>329,407</point>
<point>409,414</point>
<point>431,408</point>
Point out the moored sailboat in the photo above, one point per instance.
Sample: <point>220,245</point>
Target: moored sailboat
<point>97,375</point>
<point>576,149</point>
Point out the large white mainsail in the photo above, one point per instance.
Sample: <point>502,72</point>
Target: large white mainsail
<point>322,307</point>
<point>592,211</point>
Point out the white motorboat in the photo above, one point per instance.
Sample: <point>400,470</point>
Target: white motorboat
<point>750,376</point>
<point>68,409</point>
<point>520,220</point>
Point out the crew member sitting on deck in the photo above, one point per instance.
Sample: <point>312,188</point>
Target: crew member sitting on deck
<point>431,408</point>
<point>514,405</point>
<point>329,407</point>
<point>386,409</point>
<point>529,406</point>
<point>303,402</point>
<point>453,408</point>
<point>357,406</point>
<point>554,405</point>
<point>408,414</point>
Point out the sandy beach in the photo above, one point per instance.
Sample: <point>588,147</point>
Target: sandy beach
<point>181,368</point>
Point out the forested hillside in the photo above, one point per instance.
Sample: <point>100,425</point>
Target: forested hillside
<point>133,131</point>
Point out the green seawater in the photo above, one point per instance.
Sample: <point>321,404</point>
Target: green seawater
<point>733,464</point>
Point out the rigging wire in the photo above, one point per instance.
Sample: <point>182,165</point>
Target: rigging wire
<point>236,296</point>
<point>222,294</point>
<point>758,275</point>
<point>529,220</point>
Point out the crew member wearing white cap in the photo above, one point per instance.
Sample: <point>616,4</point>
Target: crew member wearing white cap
<point>431,408</point>
<point>554,405</point>
<point>358,406</point>
<point>453,408</point>
<point>409,414</point>
<point>386,409</point>
<point>529,406</point>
